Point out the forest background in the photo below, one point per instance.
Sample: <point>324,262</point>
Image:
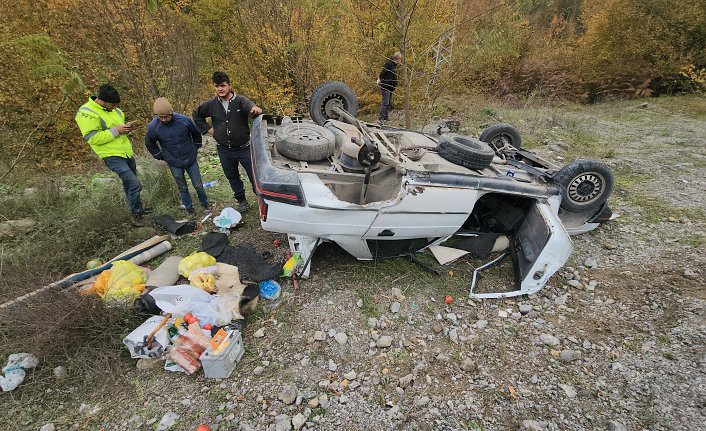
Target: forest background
<point>57,52</point>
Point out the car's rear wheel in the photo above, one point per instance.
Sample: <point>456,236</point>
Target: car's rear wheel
<point>329,96</point>
<point>501,135</point>
<point>465,151</point>
<point>306,142</point>
<point>587,185</point>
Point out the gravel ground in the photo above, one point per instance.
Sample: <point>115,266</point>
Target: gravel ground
<point>615,342</point>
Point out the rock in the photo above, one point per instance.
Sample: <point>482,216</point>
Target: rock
<point>60,372</point>
<point>469,366</point>
<point>167,421</point>
<point>288,394</point>
<point>313,403</point>
<point>610,246</point>
<point>451,317</point>
<point>525,309</point>
<point>87,410</point>
<point>332,332</point>
<point>351,375</point>
<point>436,327</point>
<point>298,421</point>
<point>259,333</point>
<point>384,341</point>
<point>395,307</point>
<point>282,423</point>
<point>332,365</point>
<point>406,381</point>
<point>569,355</point>
<point>561,299</point>
<point>48,427</point>
<point>453,335</point>
<point>480,324</point>
<point>690,274</point>
<point>372,322</point>
<point>503,314</point>
<point>359,303</point>
<point>531,425</point>
<point>341,338</point>
<point>13,228</point>
<point>643,105</point>
<point>568,390</point>
<point>549,340</point>
<point>258,370</point>
<point>591,262</point>
<point>421,402</point>
<point>319,335</point>
<point>616,426</point>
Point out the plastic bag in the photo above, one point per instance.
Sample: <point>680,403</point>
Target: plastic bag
<point>203,278</point>
<point>228,218</point>
<point>226,308</point>
<point>180,299</point>
<point>136,341</point>
<point>189,348</point>
<point>196,260</point>
<point>125,281</point>
<point>15,370</point>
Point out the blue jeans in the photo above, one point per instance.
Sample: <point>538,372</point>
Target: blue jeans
<point>127,171</point>
<point>385,104</point>
<point>195,175</point>
<point>230,158</point>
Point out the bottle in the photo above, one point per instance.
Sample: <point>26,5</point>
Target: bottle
<point>270,289</point>
<point>210,183</point>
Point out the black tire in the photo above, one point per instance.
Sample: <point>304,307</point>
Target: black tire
<point>306,142</point>
<point>587,185</point>
<point>329,95</point>
<point>465,151</point>
<point>498,135</point>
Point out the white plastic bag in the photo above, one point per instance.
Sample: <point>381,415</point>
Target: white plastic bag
<point>180,299</point>
<point>226,307</point>
<point>228,218</point>
<point>136,341</point>
<point>15,370</point>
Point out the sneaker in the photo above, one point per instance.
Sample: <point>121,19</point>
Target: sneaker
<point>242,206</point>
<point>137,220</point>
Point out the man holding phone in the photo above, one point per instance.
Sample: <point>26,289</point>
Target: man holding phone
<point>103,127</point>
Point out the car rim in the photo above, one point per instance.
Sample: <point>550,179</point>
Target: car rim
<point>330,102</point>
<point>585,187</point>
<point>500,141</point>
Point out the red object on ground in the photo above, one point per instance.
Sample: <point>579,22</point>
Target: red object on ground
<point>448,299</point>
<point>203,427</point>
<point>276,243</point>
<point>207,326</point>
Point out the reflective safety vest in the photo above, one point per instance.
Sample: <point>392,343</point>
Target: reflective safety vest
<point>97,126</point>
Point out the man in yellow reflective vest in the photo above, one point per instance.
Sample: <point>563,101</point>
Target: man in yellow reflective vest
<point>103,127</point>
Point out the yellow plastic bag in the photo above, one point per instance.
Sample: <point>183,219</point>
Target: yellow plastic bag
<point>126,281</point>
<point>195,261</point>
<point>205,282</point>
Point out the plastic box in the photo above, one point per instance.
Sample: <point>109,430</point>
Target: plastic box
<point>221,365</point>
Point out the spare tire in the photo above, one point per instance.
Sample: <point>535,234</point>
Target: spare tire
<point>587,185</point>
<point>501,134</point>
<point>465,151</point>
<point>330,95</point>
<point>306,142</point>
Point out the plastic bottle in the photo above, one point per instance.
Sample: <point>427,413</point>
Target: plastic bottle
<point>210,183</point>
<point>270,289</point>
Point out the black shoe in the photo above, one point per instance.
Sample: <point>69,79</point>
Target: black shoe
<point>242,206</point>
<point>190,211</point>
<point>137,220</point>
<point>146,210</point>
<point>206,207</point>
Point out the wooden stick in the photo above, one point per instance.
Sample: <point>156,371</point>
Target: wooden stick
<point>150,338</point>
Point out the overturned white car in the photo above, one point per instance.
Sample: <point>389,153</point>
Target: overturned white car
<point>386,192</point>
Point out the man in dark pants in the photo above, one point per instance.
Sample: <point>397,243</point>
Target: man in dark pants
<point>229,114</point>
<point>387,82</point>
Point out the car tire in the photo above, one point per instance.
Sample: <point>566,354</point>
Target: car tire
<point>329,95</point>
<point>587,184</point>
<point>465,151</point>
<point>306,142</point>
<point>498,135</point>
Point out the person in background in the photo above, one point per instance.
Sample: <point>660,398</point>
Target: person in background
<point>174,138</point>
<point>103,127</point>
<point>387,81</point>
<point>229,114</point>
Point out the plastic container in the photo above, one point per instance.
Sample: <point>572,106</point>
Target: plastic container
<point>220,362</point>
<point>270,289</point>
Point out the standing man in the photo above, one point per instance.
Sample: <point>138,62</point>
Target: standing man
<point>229,114</point>
<point>387,82</point>
<point>103,127</point>
<point>179,140</point>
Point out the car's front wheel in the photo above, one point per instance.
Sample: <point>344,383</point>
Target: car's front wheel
<point>501,135</point>
<point>587,185</point>
<point>329,96</point>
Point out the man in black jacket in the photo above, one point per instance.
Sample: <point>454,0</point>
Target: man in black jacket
<point>229,114</point>
<point>387,82</point>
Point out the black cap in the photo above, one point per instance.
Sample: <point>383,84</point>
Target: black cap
<point>107,93</point>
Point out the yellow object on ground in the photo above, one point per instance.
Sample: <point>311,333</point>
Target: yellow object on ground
<point>195,261</point>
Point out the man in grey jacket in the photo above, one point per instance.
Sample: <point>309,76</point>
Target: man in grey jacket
<point>229,114</point>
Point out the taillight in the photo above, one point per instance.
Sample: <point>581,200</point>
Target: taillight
<point>263,209</point>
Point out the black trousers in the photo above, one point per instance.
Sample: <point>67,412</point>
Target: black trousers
<point>230,158</point>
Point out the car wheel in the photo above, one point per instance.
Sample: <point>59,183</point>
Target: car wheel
<point>587,185</point>
<point>330,95</point>
<point>500,135</point>
<point>306,142</point>
<point>465,151</point>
